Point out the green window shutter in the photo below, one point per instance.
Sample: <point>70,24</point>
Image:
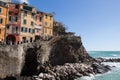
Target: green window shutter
<point>1,20</point>
<point>0,10</point>
<point>24,22</point>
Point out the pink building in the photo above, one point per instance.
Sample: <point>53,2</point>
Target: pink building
<point>13,25</point>
<point>38,25</point>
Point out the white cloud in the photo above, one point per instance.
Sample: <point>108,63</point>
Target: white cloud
<point>24,1</point>
<point>21,1</point>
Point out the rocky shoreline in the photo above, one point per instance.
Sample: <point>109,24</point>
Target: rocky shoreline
<point>71,71</point>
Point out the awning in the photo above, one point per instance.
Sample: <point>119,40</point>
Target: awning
<point>38,27</point>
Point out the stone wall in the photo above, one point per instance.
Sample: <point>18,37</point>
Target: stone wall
<point>11,59</point>
<point>18,59</point>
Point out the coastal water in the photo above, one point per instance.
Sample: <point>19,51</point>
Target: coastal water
<point>114,74</point>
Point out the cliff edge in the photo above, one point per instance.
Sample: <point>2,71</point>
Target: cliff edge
<point>61,55</point>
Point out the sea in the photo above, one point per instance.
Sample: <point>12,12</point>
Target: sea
<point>114,74</point>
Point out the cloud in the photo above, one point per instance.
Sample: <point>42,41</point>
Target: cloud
<point>22,1</point>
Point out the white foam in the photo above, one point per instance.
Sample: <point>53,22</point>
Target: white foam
<point>110,57</point>
<point>116,64</point>
<point>91,77</point>
<point>115,55</point>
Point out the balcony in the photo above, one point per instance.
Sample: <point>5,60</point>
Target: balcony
<point>13,10</point>
<point>38,27</point>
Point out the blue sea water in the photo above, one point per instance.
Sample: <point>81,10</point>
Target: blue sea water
<point>114,74</point>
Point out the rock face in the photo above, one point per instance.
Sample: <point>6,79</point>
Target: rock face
<point>68,50</point>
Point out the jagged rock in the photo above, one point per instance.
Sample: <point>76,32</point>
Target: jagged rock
<point>68,50</point>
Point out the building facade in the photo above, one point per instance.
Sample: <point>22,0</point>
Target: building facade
<point>27,30</point>
<point>3,20</point>
<point>20,26</point>
<point>38,25</point>
<point>13,24</point>
<point>47,28</point>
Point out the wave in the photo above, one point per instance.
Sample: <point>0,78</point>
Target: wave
<point>115,64</point>
<point>91,77</point>
<point>115,55</point>
<point>110,57</point>
<point>96,77</point>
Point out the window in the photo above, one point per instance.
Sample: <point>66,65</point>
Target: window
<point>16,6</point>
<point>10,18</point>
<point>21,29</point>
<point>33,31</point>
<point>25,13</point>
<point>24,22</point>
<point>0,31</point>
<point>7,27</point>
<point>16,19</point>
<point>25,29</point>
<point>33,15</point>
<point>50,25</point>
<point>1,21</point>
<point>46,16</point>
<point>45,30</point>
<point>46,23</point>
<point>32,23</point>
<point>16,29</point>
<point>50,17</point>
<point>49,31</point>
<point>40,19</point>
<point>16,14</point>
<point>0,10</point>
<point>29,30</point>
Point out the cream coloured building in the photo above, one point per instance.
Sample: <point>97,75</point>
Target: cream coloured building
<point>27,23</point>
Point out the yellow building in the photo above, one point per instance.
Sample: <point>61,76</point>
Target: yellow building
<point>47,25</point>
<point>3,19</point>
<point>27,23</point>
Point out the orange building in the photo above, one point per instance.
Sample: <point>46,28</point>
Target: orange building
<point>3,19</point>
<point>44,25</point>
<point>47,25</point>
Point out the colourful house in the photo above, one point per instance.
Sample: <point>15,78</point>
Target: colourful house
<point>38,25</point>
<point>13,24</point>
<point>3,19</point>
<point>20,26</point>
<point>27,32</point>
<point>47,25</point>
<point>44,25</point>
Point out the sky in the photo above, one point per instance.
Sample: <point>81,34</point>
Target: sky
<point>96,21</point>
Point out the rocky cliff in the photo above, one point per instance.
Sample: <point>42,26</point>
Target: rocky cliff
<point>33,58</point>
<point>68,50</point>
